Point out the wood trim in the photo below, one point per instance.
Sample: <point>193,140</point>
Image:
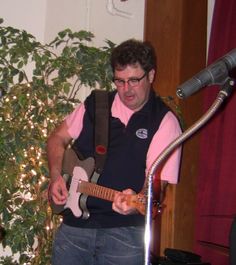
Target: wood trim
<point>177,30</point>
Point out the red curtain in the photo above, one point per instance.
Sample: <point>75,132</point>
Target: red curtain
<point>216,187</point>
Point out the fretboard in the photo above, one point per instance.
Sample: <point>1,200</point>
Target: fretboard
<point>95,190</point>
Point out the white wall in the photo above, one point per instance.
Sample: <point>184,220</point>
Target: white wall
<point>94,16</point>
<point>45,18</point>
<point>26,15</point>
<point>211,4</point>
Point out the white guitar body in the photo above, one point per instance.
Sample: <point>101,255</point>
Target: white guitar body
<point>73,200</point>
<point>75,171</point>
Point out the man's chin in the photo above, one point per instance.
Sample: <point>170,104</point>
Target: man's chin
<point>130,105</point>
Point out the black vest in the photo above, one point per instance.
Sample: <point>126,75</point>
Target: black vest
<point>126,159</point>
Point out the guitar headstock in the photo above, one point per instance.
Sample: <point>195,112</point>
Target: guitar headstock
<point>138,201</point>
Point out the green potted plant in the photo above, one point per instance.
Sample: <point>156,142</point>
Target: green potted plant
<point>31,104</point>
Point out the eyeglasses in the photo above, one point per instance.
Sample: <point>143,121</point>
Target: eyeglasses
<point>132,82</point>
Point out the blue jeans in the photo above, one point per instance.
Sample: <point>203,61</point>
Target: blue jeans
<point>104,246</point>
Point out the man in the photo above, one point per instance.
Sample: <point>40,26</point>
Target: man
<point>140,127</point>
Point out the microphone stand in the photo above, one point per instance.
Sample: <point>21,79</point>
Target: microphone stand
<point>225,91</point>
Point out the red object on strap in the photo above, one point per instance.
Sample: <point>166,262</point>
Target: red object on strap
<point>101,149</point>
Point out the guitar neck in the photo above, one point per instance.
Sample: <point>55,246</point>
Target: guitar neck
<point>92,189</point>
<point>97,191</point>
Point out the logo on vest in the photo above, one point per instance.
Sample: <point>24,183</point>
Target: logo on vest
<point>142,133</point>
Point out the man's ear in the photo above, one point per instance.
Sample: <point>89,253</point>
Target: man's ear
<point>151,75</point>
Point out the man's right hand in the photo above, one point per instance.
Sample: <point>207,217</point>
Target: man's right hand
<point>58,191</point>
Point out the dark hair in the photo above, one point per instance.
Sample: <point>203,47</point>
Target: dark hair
<point>131,52</point>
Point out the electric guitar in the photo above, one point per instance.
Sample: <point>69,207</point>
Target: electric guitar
<point>76,174</point>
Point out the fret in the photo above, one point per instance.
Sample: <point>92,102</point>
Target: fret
<point>95,190</point>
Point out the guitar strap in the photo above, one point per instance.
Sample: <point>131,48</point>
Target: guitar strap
<point>101,128</point>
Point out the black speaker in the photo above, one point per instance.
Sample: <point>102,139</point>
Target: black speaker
<point>178,257</point>
<point>232,243</point>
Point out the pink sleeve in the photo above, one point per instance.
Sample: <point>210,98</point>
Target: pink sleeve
<point>168,131</point>
<point>74,121</point>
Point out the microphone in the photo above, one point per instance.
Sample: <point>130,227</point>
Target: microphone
<point>216,73</point>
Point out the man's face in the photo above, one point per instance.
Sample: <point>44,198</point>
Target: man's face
<point>133,85</point>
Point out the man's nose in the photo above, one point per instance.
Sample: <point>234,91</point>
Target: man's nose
<point>126,86</point>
